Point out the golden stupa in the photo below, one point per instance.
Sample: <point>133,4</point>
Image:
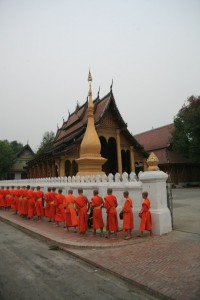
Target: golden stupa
<point>90,161</point>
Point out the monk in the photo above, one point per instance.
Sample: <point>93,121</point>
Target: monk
<point>47,198</point>
<point>58,203</point>
<point>96,206</point>
<point>70,212</point>
<point>127,215</point>
<point>24,203</point>
<point>7,198</point>
<point>112,221</point>
<point>82,206</point>
<point>39,204</point>
<point>2,197</point>
<point>20,199</point>
<point>145,215</point>
<point>52,206</point>
<point>12,193</point>
<point>31,203</point>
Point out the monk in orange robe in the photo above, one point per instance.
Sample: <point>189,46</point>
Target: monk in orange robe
<point>47,198</point>
<point>20,199</point>
<point>145,215</point>
<point>60,214</point>
<point>70,212</point>
<point>12,193</point>
<point>82,206</point>
<point>127,215</point>
<point>38,203</point>
<point>31,203</point>
<point>52,206</point>
<point>96,206</point>
<point>16,200</point>
<point>7,198</point>
<point>25,201</point>
<point>2,197</point>
<point>112,221</point>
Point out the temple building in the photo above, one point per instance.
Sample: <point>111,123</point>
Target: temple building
<point>119,149</point>
<point>18,169</point>
<point>181,170</point>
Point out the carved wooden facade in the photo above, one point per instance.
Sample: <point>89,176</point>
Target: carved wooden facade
<point>123,152</point>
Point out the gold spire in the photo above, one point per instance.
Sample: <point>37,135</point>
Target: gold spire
<point>90,161</point>
<point>89,77</point>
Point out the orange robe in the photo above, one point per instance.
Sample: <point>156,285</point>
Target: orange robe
<point>81,205</point>
<point>12,193</point>
<point>1,198</point>
<point>52,196</point>
<point>145,215</point>
<point>38,204</point>
<point>110,205</point>
<point>20,196</point>
<point>31,203</point>
<point>47,198</point>
<point>60,214</point>
<point>24,203</point>
<point>71,217</point>
<point>127,214</point>
<point>7,198</point>
<point>96,204</point>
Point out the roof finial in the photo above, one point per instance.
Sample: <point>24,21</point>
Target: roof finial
<point>111,84</point>
<point>89,77</point>
<point>98,92</point>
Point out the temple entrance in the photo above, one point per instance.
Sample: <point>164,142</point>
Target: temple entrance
<point>126,164</point>
<point>109,151</point>
<point>71,168</point>
<point>68,168</point>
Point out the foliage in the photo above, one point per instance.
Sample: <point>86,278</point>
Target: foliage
<point>6,158</point>
<point>17,147</point>
<point>46,142</point>
<point>186,135</point>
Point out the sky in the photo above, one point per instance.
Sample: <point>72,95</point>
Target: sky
<point>149,48</point>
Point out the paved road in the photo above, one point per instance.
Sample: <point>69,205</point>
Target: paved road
<point>29,270</point>
<point>186,209</point>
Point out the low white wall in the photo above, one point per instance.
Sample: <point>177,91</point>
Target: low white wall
<point>152,183</point>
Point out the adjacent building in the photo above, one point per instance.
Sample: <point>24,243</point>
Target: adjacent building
<point>19,167</point>
<point>180,170</point>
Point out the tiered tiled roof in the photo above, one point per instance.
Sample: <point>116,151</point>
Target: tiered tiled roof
<point>73,128</point>
<point>158,141</point>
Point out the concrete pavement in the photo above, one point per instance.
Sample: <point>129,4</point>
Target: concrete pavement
<point>167,266</point>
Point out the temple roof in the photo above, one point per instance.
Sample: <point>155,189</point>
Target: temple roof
<point>25,148</point>
<point>158,141</point>
<point>157,138</point>
<point>73,128</point>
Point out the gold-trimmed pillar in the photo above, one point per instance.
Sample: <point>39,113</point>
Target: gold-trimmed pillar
<point>132,159</point>
<point>62,167</point>
<point>119,156</point>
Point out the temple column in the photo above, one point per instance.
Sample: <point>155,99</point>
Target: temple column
<point>119,157</point>
<point>62,167</point>
<point>132,159</point>
<point>53,170</point>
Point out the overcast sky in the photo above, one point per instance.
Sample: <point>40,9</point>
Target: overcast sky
<point>150,48</point>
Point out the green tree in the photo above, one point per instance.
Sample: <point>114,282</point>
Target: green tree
<point>46,142</point>
<point>6,158</point>
<point>186,135</point>
<point>16,146</point>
